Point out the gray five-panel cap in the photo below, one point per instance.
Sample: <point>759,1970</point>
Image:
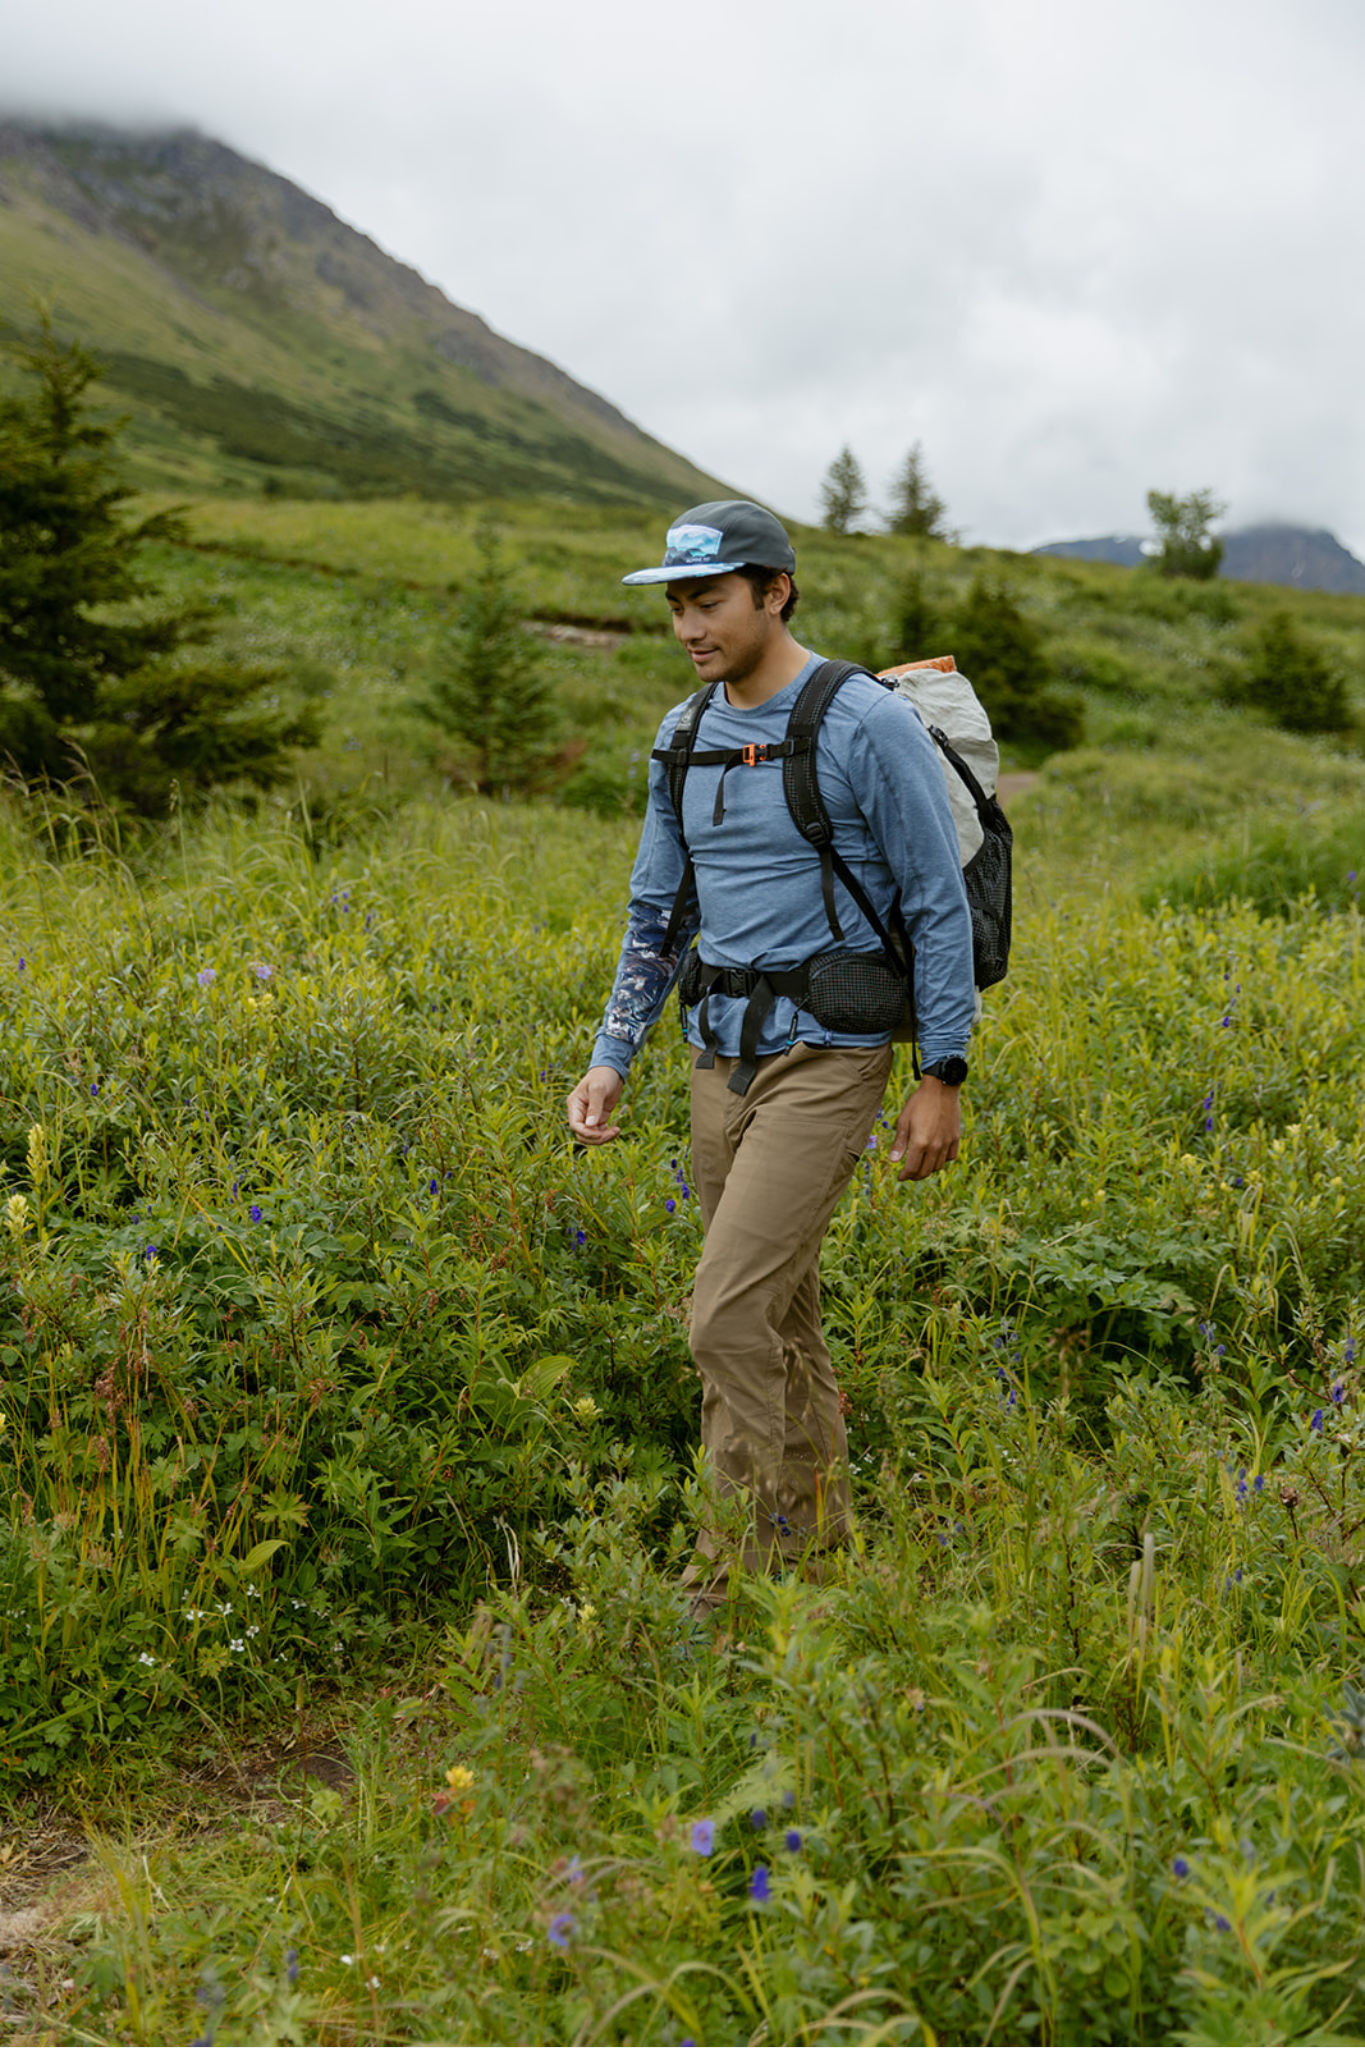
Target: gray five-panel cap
<point>717,539</point>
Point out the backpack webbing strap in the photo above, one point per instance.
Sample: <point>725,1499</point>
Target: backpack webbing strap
<point>761,987</point>
<point>677,759</point>
<point>801,787</point>
<point>986,805</point>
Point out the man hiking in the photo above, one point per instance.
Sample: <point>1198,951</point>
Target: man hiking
<point>782,1103</point>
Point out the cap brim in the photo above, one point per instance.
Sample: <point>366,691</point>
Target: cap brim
<point>683,572</point>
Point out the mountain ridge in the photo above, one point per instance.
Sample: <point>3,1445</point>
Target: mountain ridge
<point>198,274</point>
<point>1271,551</point>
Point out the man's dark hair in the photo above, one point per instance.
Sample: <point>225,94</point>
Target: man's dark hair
<point>761,579</point>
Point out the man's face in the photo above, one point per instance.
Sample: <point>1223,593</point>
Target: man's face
<point>721,628</point>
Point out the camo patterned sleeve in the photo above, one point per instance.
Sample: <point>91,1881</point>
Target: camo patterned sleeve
<point>645,973</point>
<point>644,976</point>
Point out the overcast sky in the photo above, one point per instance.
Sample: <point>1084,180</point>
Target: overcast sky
<point>1077,250</point>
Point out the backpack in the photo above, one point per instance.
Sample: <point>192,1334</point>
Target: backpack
<point>842,990</point>
<point>961,732</point>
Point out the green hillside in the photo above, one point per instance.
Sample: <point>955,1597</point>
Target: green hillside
<point>260,343</point>
<point>361,596</point>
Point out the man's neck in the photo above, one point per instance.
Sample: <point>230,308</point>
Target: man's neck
<point>783,661</point>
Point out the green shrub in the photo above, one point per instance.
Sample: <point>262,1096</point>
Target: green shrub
<point>1288,675</point>
<point>1002,653</point>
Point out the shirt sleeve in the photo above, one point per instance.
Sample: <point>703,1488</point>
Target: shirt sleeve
<point>645,972</point>
<point>898,784</point>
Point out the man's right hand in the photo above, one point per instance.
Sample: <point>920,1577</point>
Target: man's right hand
<point>591,1104</point>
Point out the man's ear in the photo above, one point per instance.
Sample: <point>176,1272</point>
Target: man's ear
<point>779,590</point>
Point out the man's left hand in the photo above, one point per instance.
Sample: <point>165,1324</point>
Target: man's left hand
<point>928,1130</point>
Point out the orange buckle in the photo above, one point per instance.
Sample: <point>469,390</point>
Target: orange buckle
<point>751,757</point>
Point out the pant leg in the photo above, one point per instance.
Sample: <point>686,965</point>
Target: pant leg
<point>769,1168</point>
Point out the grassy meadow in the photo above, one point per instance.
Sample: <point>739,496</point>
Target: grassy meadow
<point>348,1421</point>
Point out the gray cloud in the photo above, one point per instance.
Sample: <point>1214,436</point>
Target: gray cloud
<point>1077,251</point>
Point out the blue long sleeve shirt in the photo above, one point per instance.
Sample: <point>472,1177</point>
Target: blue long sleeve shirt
<point>758,898</point>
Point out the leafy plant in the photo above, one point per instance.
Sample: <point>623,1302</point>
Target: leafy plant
<point>1187,547</point>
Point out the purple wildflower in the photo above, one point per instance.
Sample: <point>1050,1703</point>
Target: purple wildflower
<point>433,1185</point>
<point>758,1820</point>
<point>206,977</point>
<point>291,1965</point>
<point>254,1212</point>
<point>1338,1394</point>
<point>793,1839</point>
<point>580,1238</point>
<point>560,1931</point>
<point>760,1891</point>
<point>261,971</point>
<point>1316,1423</point>
<point>94,1087</point>
<point>1181,1867</point>
<point>703,1837</point>
<point>670,1205</point>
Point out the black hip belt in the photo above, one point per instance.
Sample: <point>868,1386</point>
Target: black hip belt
<point>842,991</point>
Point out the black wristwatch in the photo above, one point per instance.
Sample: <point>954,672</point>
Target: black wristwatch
<point>952,1071</point>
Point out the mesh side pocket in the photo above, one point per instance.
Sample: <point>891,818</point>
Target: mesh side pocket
<point>987,879</point>
<point>856,992</point>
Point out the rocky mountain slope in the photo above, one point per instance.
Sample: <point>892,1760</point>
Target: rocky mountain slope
<point>261,342</point>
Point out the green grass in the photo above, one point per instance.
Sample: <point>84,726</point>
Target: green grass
<point>387,1443</point>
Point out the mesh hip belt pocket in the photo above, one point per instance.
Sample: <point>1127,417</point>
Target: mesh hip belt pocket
<point>856,992</point>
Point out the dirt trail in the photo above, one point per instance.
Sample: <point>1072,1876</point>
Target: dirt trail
<point>1014,784</point>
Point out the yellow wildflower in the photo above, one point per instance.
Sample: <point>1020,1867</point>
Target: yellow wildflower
<point>16,1215</point>
<point>459,1779</point>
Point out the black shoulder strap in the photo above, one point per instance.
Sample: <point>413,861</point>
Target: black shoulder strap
<point>677,759</point>
<point>677,756</point>
<point>800,783</point>
<point>801,786</point>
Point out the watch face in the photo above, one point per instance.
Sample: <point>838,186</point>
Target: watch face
<point>952,1072</point>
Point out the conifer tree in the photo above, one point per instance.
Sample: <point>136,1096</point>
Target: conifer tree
<point>1002,654</point>
<point>96,681</point>
<point>490,692</point>
<point>843,494</point>
<point>916,507</point>
<point>1289,676</point>
<point>917,623</point>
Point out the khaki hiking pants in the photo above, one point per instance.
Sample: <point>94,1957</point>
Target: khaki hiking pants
<point>769,1168</point>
